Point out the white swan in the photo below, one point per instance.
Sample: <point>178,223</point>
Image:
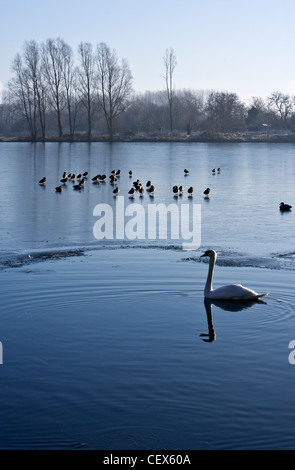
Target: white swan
<point>230,292</point>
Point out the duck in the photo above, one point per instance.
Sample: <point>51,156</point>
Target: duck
<point>131,191</point>
<point>85,174</point>
<point>214,171</point>
<point>137,186</point>
<point>58,189</point>
<point>148,184</point>
<point>180,189</point>
<point>285,207</point>
<point>43,180</point>
<point>151,190</point>
<point>207,192</point>
<point>116,191</point>
<point>141,191</point>
<point>113,179</point>
<point>130,173</point>
<point>234,292</point>
<point>64,180</point>
<point>175,189</point>
<point>190,191</point>
<point>78,187</point>
<point>95,178</point>
<point>118,173</point>
<point>186,172</point>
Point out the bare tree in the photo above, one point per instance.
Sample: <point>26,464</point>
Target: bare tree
<point>114,84</point>
<point>20,90</point>
<point>7,117</point>
<point>259,114</point>
<point>192,107</point>
<point>69,77</point>
<point>53,60</point>
<point>225,112</point>
<point>32,59</point>
<point>86,81</point>
<point>170,63</point>
<point>282,104</point>
<point>146,113</point>
<point>23,87</point>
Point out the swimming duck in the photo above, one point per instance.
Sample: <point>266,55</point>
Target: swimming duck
<point>285,207</point>
<point>58,189</point>
<point>186,172</point>
<point>116,191</point>
<point>42,181</point>
<point>207,192</point>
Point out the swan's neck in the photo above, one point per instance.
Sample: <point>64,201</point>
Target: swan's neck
<point>208,286</point>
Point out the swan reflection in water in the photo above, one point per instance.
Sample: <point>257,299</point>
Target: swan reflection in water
<point>228,305</point>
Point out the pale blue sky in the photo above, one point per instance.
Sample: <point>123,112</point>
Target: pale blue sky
<point>246,47</point>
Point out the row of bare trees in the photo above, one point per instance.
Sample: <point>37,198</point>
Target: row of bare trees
<point>54,91</point>
<point>46,80</point>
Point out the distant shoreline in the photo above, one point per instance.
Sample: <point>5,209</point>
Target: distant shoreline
<point>238,137</point>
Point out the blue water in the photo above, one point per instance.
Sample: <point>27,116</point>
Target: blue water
<point>108,344</point>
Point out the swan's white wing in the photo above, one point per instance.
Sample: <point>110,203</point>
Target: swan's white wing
<point>233,292</point>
